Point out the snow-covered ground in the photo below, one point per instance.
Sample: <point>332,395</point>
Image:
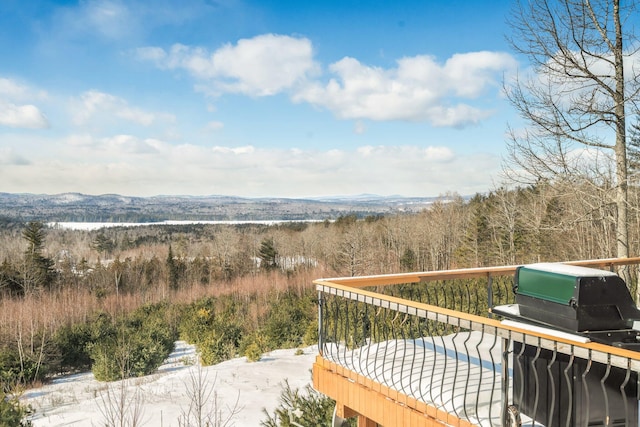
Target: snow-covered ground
<point>80,400</point>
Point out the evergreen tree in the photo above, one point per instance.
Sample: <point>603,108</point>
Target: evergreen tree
<point>9,279</point>
<point>173,270</point>
<point>103,244</point>
<point>38,269</point>
<point>34,234</point>
<point>268,254</point>
<point>408,260</point>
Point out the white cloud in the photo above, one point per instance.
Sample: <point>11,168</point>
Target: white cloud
<point>95,104</point>
<point>16,109</point>
<point>235,150</point>
<point>418,89</point>
<point>8,156</point>
<point>430,154</point>
<point>107,19</point>
<point>469,74</point>
<point>457,116</point>
<point>264,65</point>
<point>84,140</point>
<point>154,54</point>
<point>110,149</point>
<point>439,154</point>
<point>131,145</point>
<point>129,165</point>
<point>14,91</point>
<point>122,20</point>
<point>111,19</point>
<point>22,116</point>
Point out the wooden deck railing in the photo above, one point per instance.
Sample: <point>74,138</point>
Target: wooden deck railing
<point>439,359</point>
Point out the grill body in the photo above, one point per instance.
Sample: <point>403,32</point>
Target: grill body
<point>556,389</point>
<point>575,299</point>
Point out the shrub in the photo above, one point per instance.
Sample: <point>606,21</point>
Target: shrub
<point>15,371</point>
<point>215,327</point>
<point>221,342</point>
<point>10,370</point>
<point>253,352</point>
<point>136,346</point>
<point>196,320</point>
<point>314,409</point>
<point>311,334</point>
<point>12,413</point>
<point>109,361</point>
<point>215,349</point>
<point>131,355</point>
<point>72,342</point>
<point>253,346</point>
<point>288,320</point>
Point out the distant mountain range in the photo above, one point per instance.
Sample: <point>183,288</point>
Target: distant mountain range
<point>78,207</point>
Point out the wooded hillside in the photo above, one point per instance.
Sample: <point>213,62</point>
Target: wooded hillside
<point>68,299</point>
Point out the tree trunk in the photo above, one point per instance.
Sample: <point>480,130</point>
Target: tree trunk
<point>622,225</point>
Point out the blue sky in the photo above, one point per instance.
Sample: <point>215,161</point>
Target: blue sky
<point>253,98</point>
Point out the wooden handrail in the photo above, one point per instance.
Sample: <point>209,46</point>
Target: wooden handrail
<point>354,284</point>
<point>463,273</point>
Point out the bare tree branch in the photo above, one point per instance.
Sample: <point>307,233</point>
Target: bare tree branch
<point>576,97</point>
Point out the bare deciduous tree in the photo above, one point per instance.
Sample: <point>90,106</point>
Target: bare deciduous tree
<point>205,408</point>
<point>121,405</point>
<point>575,102</point>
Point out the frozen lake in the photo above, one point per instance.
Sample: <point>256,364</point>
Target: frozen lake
<point>88,226</point>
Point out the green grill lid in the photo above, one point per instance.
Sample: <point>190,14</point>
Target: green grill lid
<point>553,282</point>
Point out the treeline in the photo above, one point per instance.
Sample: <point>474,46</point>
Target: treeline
<point>503,227</point>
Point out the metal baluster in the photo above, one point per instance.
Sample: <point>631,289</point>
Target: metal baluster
<point>623,392</point>
<point>490,293</point>
<point>506,343</point>
<point>480,378</point>
<point>552,382</point>
<point>536,382</point>
<point>607,417</point>
<point>466,383</point>
<point>493,376</point>
<point>568,375</point>
<point>320,323</point>
<point>455,371</point>
<point>585,385</point>
<point>336,328</point>
<point>435,361</point>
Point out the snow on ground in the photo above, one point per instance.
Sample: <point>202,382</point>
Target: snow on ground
<point>80,400</point>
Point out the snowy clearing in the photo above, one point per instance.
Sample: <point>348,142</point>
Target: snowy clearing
<point>80,400</point>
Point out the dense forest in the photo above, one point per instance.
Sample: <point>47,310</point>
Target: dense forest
<point>114,300</point>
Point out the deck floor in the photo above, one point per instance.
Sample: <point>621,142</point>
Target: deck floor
<point>460,374</point>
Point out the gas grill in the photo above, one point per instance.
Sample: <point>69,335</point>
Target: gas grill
<point>584,301</point>
<point>556,389</point>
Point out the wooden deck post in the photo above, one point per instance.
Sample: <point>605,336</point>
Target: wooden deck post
<point>366,422</point>
<point>344,412</point>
